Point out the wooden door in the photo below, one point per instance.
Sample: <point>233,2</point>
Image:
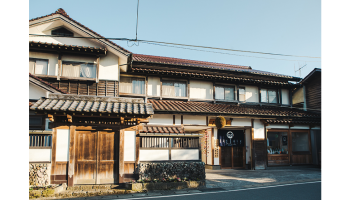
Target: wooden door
<point>107,158</point>
<point>226,157</point>
<point>237,157</point>
<point>86,157</point>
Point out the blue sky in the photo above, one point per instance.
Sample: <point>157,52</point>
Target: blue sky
<point>272,26</point>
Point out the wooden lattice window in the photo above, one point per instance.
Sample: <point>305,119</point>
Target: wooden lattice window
<point>185,143</point>
<point>62,32</point>
<point>40,141</point>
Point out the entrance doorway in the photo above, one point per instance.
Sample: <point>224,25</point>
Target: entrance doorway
<point>232,157</point>
<point>97,157</point>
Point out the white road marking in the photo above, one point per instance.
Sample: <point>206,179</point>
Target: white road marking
<point>221,191</point>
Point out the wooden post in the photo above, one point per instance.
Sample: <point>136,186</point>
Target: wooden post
<point>97,68</point>
<point>121,156</point>
<point>161,87</point>
<point>71,156</point>
<point>214,91</point>
<point>59,66</point>
<point>188,89</point>
<point>53,155</point>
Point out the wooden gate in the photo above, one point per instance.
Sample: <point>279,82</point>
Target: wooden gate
<point>96,159</point>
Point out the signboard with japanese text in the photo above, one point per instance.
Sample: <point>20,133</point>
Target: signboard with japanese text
<point>231,138</point>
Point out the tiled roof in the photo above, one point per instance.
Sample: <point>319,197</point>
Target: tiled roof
<point>39,81</point>
<point>290,121</point>
<point>228,77</point>
<point>162,129</point>
<point>93,104</point>
<point>226,109</point>
<point>185,62</point>
<point>60,11</point>
<point>71,47</point>
<point>209,65</point>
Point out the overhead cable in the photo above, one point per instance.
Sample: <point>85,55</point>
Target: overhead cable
<point>177,44</point>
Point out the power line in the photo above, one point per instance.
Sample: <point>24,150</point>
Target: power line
<point>176,44</point>
<point>224,53</point>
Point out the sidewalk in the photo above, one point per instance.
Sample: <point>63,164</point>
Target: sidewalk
<point>228,179</point>
<point>232,178</point>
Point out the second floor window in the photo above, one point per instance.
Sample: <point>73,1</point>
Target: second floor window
<point>38,66</point>
<point>132,85</point>
<point>242,96</point>
<point>174,89</point>
<point>78,69</point>
<point>224,93</point>
<point>268,95</point>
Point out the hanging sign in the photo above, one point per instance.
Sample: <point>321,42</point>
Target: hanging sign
<point>284,140</point>
<point>231,138</point>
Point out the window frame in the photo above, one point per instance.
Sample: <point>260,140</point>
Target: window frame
<point>173,82</point>
<point>40,141</point>
<point>78,62</point>
<point>267,95</point>
<point>225,86</point>
<point>41,59</point>
<point>133,77</point>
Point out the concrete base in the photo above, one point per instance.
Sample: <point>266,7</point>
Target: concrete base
<point>213,167</point>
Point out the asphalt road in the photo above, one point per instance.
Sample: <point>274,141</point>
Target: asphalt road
<point>298,191</point>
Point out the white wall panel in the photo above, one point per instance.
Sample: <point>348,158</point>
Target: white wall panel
<point>129,145</point>
<point>62,145</point>
<point>153,86</point>
<point>194,119</point>
<point>241,122</point>
<point>163,119</point>
<point>184,154</point>
<point>281,126</point>
<point>201,89</point>
<point>300,127</point>
<point>252,94</point>
<point>35,92</point>
<point>285,96</point>
<point>39,155</point>
<point>258,129</point>
<point>109,68</point>
<point>154,155</point>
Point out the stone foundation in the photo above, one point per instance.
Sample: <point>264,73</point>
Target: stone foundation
<point>39,174</point>
<point>171,170</point>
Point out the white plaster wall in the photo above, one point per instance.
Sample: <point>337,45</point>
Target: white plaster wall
<point>281,126</point>
<point>252,94</point>
<point>285,96</point>
<point>201,89</point>
<point>241,122</point>
<point>109,68</point>
<point>35,92</point>
<point>129,145</point>
<point>194,120</point>
<point>185,154</point>
<point>153,86</point>
<point>258,129</point>
<point>177,119</point>
<point>163,119</point>
<point>39,155</point>
<point>62,145</point>
<point>154,155</point>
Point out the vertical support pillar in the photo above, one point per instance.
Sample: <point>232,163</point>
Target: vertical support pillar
<point>252,159</point>
<point>97,69</point>
<point>71,161</point>
<point>59,66</point>
<point>121,156</point>
<point>53,155</point>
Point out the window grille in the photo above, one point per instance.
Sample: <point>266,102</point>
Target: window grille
<point>40,140</point>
